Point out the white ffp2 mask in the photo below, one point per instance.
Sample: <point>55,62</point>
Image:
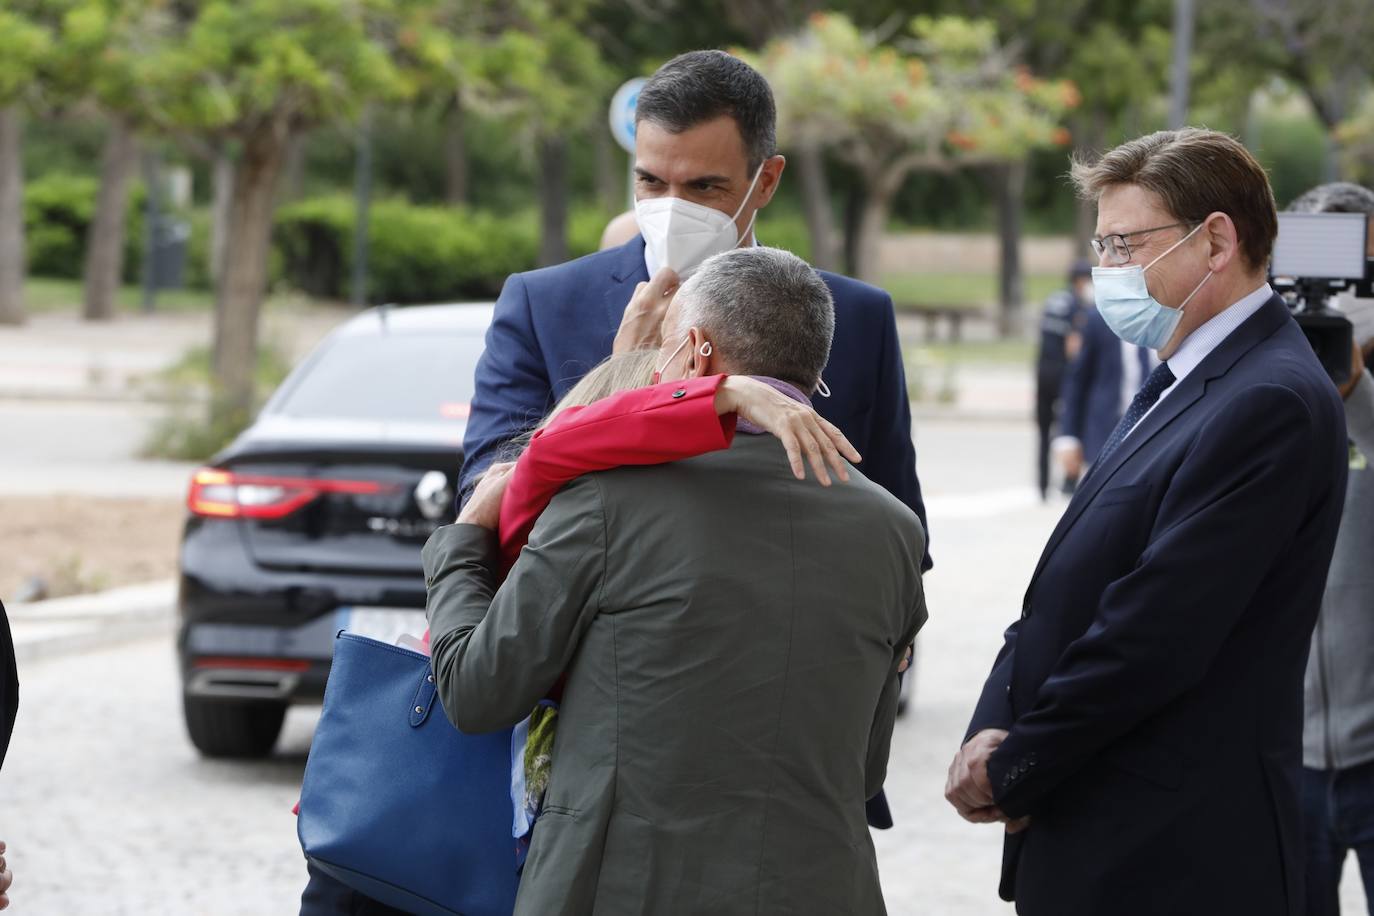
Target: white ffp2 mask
<point>681,234</point>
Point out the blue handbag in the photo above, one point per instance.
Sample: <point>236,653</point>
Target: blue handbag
<point>399,804</point>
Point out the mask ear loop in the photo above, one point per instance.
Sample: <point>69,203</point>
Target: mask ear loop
<point>822,388</point>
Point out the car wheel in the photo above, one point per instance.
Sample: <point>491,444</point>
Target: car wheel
<point>233,728</point>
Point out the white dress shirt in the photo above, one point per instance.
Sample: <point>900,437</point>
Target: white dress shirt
<point>1198,345</point>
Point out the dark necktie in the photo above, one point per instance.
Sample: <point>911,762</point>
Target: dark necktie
<point>1145,398</point>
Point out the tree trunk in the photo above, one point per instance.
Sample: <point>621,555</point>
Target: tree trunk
<point>1091,134</point>
<point>12,266</point>
<point>292,184</point>
<point>815,190</point>
<point>105,237</point>
<point>869,230</point>
<point>1011,187</point>
<point>455,155</point>
<point>553,200</point>
<point>244,280</point>
<point>853,216</point>
<point>222,180</point>
<point>611,188</point>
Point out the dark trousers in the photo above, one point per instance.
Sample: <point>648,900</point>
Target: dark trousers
<point>324,896</point>
<point>1338,816</point>
<point>1046,413</point>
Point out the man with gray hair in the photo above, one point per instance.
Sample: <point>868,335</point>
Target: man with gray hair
<point>730,636</point>
<point>1338,731</point>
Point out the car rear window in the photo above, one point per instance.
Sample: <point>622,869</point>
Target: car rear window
<point>388,377</point>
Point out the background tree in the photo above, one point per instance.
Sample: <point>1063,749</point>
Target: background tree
<point>1321,47</point>
<point>956,101</point>
<point>531,62</point>
<point>90,71</point>
<point>254,74</point>
<point>25,43</point>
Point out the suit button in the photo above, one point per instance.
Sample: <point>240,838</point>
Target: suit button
<point>681,392</point>
<point>1008,690</point>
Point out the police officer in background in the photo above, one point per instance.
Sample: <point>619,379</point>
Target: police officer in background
<point>1059,342</point>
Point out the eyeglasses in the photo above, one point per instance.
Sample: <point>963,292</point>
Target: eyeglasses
<point>1114,246</point>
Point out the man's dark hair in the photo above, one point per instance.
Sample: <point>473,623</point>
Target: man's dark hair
<point>1336,197</point>
<point>700,86</point>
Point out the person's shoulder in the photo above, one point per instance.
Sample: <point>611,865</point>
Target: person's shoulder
<point>1286,361</point>
<point>856,293</point>
<point>593,269</point>
<point>1060,303</point>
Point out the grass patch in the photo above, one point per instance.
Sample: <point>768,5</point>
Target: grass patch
<point>48,294</point>
<point>982,352</point>
<point>964,289</point>
<point>192,430</point>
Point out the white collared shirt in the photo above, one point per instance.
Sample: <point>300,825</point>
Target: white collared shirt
<point>1198,345</point>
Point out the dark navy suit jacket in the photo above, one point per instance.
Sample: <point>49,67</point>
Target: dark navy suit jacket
<point>1091,390</point>
<point>1153,687</point>
<point>553,325</point>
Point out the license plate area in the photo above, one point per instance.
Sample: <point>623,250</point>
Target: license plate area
<point>384,624</point>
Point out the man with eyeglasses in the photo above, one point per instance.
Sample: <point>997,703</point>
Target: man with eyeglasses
<point>1140,733</point>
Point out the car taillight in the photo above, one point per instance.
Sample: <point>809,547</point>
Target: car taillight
<point>223,494</point>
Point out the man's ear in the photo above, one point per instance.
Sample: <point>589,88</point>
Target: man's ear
<point>1223,244</point>
<point>700,360</point>
<point>769,179</point>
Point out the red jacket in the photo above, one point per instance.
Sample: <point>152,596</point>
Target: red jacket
<point>665,422</point>
<point>654,425</point>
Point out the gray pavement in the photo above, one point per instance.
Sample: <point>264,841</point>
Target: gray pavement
<point>108,809</point>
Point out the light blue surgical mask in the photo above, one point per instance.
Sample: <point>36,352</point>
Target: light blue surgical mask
<point>1124,302</point>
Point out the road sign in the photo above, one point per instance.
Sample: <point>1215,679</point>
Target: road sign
<point>623,113</point>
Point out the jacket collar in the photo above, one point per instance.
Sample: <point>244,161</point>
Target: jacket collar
<point>1258,327</point>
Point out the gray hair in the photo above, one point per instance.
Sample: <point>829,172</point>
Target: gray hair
<point>1336,197</point>
<point>765,310</point>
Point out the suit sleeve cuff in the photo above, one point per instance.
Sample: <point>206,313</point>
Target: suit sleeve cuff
<point>454,547</point>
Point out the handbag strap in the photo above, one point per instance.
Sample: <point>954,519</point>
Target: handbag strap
<point>424,700</point>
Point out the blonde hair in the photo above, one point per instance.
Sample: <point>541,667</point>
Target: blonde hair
<point>612,375</point>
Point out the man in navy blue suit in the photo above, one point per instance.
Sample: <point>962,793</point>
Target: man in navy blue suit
<point>705,164</point>
<point>1098,386</point>
<point>1141,730</point>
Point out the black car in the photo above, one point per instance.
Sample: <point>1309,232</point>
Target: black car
<point>312,520</point>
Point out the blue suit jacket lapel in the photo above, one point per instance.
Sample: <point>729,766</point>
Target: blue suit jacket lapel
<point>627,270</point>
<point>1254,329</point>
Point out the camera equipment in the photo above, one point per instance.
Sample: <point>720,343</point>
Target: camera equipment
<point>1316,256</point>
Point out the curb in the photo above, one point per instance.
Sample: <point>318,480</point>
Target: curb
<point>62,626</point>
<point>96,396</point>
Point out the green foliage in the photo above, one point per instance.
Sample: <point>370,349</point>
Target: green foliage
<point>190,433</point>
<point>1357,137</point>
<point>529,61</point>
<point>57,212</point>
<point>415,253</point>
<point>251,65</point>
<point>956,101</point>
<point>25,43</point>
<point>779,228</point>
<point>1292,148</point>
